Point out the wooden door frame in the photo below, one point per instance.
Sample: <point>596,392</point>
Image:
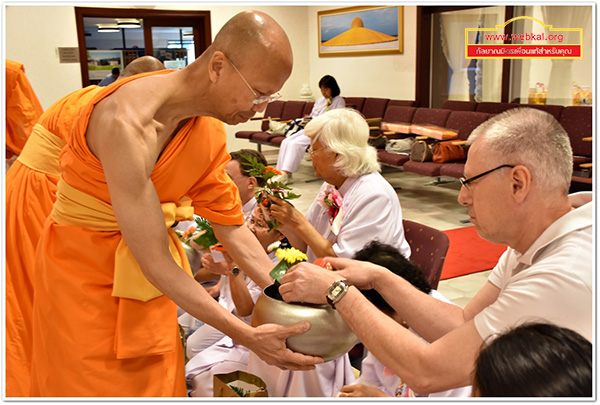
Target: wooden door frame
<point>423,57</point>
<point>199,20</point>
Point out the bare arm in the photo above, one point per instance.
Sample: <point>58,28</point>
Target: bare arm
<point>293,219</point>
<point>429,317</point>
<point>240,294</point>
<point>237,284</point>
<point>444,364</point>
<point>127,154</point>
<point>245,249</point>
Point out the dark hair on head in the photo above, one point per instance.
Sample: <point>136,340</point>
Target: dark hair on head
<point>115,71</point>
<point>245,166</point>
<point>535,360</point>
<point>330,83</point>
<point>389,257</point>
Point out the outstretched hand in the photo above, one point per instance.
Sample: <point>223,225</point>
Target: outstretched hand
<point>269,343</point>
<point>360,274</point>
<point>219,268</point>
<point>307,282</point>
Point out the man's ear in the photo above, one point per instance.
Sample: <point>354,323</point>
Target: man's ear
<point>215,66</point>
<point>253,183</point>
<point>521,182</point>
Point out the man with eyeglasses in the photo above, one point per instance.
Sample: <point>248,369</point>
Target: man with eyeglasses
<point>146,152</point>
<point>518,174</point>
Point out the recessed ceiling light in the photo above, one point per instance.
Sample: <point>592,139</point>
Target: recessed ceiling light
<point>128,23</point>
<point>107,28</point>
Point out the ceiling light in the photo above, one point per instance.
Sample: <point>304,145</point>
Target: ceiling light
<point>128,23</point>
<point>107,28</point>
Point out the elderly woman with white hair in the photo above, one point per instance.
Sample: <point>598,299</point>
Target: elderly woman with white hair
<point>355,205</point>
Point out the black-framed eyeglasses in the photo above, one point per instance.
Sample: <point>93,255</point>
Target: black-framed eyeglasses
<point>258,99</point>
<point>465,181</point>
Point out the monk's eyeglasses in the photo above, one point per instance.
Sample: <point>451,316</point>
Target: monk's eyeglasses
<point>258,99</point>
<point>465,181</point>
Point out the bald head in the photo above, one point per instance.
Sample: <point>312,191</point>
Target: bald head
<point>142,65</point>
<point>253,34</point>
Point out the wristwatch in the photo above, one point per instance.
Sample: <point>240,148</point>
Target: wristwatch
<point>336,291</point>
<point>235,271</point>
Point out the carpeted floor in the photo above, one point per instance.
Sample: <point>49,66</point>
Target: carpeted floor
<point>468,253</point>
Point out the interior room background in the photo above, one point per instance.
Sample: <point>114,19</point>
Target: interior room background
<point>33,35</point>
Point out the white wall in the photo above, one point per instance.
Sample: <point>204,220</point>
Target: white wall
<point>386,76</point>
<point>55,27</point>
<point>32,36</point>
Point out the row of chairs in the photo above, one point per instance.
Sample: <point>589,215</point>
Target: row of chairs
<point>372,108</point>
<point>577,122</point>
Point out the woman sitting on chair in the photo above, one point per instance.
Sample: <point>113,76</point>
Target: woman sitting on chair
<point>292,149</point>
<point>355,203</point>
<point>354,206</point>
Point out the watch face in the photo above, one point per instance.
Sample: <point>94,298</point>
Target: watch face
<point>336,290</point>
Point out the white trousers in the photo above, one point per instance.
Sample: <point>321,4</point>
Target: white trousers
<point>220,358</point>
<point>325,380</point>
<point>292,151</point>
<point>204,337</point>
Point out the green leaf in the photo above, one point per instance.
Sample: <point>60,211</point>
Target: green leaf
<point>208,238</point>
<point>279,270</point>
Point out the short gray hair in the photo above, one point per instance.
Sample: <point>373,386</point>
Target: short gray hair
<point>532,138</point>
<point>345,132</point>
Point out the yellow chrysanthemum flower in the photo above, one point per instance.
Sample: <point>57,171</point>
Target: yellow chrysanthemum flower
<point>290,255</point>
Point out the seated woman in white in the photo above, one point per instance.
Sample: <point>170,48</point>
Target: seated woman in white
<point>212,351</point>
<point>375,379</point>
<point>293,148</point>
<point>367,209</point>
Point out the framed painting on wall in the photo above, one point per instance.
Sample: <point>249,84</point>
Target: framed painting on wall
<point>355,31</point>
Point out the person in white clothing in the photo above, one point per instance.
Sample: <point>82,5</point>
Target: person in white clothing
<point>375,379</point>
<point>293,148</point>
<point>517,178</point>
<point>211,351</point>
<point>364,208</point>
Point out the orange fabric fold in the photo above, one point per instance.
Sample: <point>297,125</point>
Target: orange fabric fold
<point>78,325</point>
<point>72,207</point>
<point>23,108</point>
<point>30,195</point>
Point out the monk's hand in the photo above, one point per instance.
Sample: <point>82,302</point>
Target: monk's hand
<point>306,282</point>
<point>361,390</point>
<point>269,342</point>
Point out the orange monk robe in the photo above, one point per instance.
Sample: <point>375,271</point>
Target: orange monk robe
<point>23,108</point>
<point>87,342</point>
<point>30,195</point>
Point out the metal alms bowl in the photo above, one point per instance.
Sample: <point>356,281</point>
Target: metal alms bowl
<point>194,258</point>
<point>328,337</point>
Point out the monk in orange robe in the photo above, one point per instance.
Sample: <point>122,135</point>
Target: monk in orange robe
<point>109,270</point>
<point>23,108</point>
<point>30,195</point>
